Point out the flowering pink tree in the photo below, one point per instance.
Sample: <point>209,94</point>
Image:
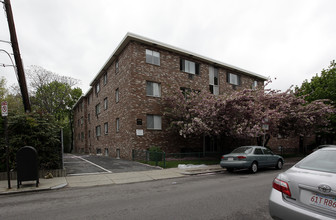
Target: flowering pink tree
<point>243,113</point>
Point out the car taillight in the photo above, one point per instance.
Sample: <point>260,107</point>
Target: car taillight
<point>222,157</point>
<point>281,186</point>
<point>241,157</point>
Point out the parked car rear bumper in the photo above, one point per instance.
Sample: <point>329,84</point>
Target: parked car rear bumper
<point>235,164</point>
<point>280,209</point>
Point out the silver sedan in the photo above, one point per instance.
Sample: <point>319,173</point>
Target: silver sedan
<point>308,189</point>
<point>251,157</point>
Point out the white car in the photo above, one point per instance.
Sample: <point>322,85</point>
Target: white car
<point>307,190</point>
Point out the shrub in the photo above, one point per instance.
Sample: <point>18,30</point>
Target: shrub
<point>155,153</point>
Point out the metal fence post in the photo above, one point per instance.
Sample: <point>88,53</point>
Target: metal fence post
<point>164,159</point>
<point>156,158</point>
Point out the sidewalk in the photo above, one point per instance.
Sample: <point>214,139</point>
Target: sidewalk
<point>104,179</point>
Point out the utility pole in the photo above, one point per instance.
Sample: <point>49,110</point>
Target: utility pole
<point>17,57</point>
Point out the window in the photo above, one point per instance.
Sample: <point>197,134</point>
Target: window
<point>258,151</point>
<point>117,66</point>
<point>233,79</point>
<point>98,131</point>
<point>154,122</point>
<point>105,128</point>
<point>105,103</point>
<point>187,92</point>
<point>98,109</point>
<point>97,88</point>
<point>254,84</point>
<point>89,118</point>
<point>189,66</point>
<point>88,100</point>
<point>213,80</point>
<point>81,121</point>
<point>82,136</point>
<point>89,133</point>
<point>153,89</point>
<point>139,121</point>
<point>268,151</point>
<point>117,95</point>
<point>117,125</point>
<point>320,161</point>
<point>153,57</point>
<point>105,79</point>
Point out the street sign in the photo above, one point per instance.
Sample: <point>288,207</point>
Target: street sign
<point>265,127</point>
<point>4,109</point>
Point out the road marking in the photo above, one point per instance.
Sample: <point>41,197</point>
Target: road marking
<point>108,171</point>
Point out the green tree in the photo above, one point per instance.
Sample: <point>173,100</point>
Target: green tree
<point>35,129</point>
<point>322,87</point>
<point>3,89</point>
<point>55,95</point>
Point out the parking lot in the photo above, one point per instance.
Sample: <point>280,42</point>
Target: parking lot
<point>93,164</point>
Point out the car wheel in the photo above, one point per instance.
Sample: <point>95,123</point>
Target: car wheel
<point>254,167</point>
<point>279,165</point>
<point>230,170</point>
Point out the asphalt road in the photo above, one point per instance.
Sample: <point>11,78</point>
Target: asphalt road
<point>223,195</point>
<point>84,164</point>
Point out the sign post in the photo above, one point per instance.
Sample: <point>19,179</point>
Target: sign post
<point>4,113</point>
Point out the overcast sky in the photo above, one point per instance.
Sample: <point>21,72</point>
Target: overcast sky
<point>289,40</point>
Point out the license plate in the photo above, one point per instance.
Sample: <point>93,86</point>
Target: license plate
<point>230,158</point>
<point>323,201</point>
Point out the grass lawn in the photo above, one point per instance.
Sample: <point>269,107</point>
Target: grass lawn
<point>175,163</point>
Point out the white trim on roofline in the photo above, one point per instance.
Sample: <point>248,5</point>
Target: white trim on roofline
<point>131,36</point>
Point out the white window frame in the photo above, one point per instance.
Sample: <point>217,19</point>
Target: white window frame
<point>117,125</point>
<point>254,84</point>
<point>154,122</point>
<point>97,109</point>
<point>106,128</point>
<point>98,131</point>
<point>233,79</point>
<point>189,66</point>
<point>97,88</point>
<point>105,103</point>
<point>152,57</point>
<point>213,74</point>
<point>117,95</point>
<point>153,89</point>
<point>117,66</point>
<point>105,79</point>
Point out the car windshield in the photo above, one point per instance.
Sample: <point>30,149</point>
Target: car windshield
<point>322,160</point>
<point>245,150</point>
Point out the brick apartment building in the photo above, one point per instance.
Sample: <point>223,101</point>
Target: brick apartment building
<point>123,110</point>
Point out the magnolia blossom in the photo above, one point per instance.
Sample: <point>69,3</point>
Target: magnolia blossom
<point>243,113</point>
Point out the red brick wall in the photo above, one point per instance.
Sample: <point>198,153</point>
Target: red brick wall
<point>134,104</point>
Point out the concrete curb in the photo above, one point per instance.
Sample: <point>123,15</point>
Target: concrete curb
<point>44,185</point>
<point>33,190</point>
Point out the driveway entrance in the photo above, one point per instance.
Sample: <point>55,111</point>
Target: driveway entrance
<point>93,164</point>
